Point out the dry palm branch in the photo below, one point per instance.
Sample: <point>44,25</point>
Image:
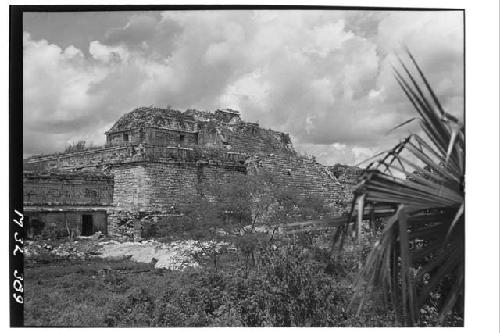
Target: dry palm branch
<point>421,182</point>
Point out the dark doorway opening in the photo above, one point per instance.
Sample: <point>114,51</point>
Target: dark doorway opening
<point>29,227</point>
<point>34,227</point>
<point>87,225</point>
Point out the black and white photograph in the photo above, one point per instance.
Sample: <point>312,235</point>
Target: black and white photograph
<point>225,166</point>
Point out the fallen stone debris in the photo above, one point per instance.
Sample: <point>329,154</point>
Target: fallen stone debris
<point>177,255</point>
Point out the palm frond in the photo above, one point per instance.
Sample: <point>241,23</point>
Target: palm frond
<point>421,180</point>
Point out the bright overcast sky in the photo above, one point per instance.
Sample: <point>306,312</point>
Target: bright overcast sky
<point>324,77</point>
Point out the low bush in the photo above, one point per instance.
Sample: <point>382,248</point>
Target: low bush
<point>287,289</point>
<point>290,285</point>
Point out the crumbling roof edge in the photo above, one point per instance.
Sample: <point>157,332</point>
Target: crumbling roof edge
<point>150,126</point>
<point>54,173</point>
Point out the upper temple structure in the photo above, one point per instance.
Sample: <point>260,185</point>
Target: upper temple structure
<point>192,128</point>
<point>155,160</point>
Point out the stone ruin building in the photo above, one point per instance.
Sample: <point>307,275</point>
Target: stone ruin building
<point>153,161</point>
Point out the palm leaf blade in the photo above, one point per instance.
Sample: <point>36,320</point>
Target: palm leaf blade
<point>424,229</point>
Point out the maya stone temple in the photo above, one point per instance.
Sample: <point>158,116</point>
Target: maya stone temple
<point>155,160</point>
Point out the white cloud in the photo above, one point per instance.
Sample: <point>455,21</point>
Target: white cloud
<point>322,76</point>
<point>107,54</point>
<point>327,38</point>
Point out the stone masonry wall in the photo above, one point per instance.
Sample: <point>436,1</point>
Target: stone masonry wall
<point>161,186</point>
<point>88,159</point>
<point>158,188</point>
<point>97,158</point>
<point>245,138</point>
<point>252,139</point>
<point>306,175</point>
<point>134,135</point>
<point>348,177</point>
<point>56,203</point>
<point>148,189</point>
<point>158,136</point>
<point>73,189</point>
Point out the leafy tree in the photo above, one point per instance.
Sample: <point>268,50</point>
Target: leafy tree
<point>240,209</point>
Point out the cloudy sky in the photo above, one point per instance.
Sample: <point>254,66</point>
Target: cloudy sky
<point>324,77</point>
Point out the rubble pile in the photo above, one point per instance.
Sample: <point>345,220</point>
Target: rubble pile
<point>177,255</point>
<point>78,249</point>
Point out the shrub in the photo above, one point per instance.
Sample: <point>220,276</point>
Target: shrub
<point>290,286</point>
<point>289,289</point>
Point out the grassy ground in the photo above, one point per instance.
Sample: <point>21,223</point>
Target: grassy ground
<point>79,293</point>
<point>292,285</point>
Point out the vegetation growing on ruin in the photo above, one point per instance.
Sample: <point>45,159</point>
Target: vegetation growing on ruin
<point>78,147</point>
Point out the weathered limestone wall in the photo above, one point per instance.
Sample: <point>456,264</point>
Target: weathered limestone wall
<point>255,140</point>
<point>74,189</point>
<point>134,135</point>
<point>175,124</point>
<point>153,136</point>
<point>159,188</point>
<point>245,138</point>
<point>307,176</point>
<point>56,204</point>
<point>158,136</point>
<point>131,184</point>
<point>98,158</point>
<point>88,159</point>
<point>172,185</point>
<point>348,177</point>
